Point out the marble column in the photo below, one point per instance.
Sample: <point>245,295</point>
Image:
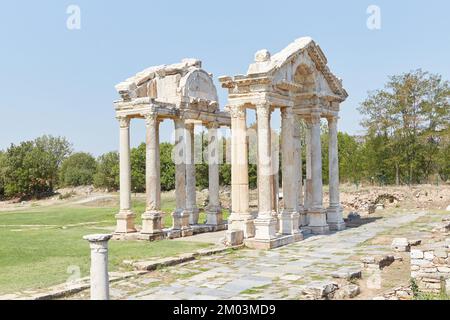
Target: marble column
<point>125,217</point>
<point>213,211</point>
<point>334,211</point>
<point>317,214</point>
<point>99,265</point>
<point>298,168</point>
<point>265,223</point>
<point>308,181</point>
<point>191,197</point>
<point>180,216</point>
<point>151,218</point>
<point>240,217</point>
<point>275,178</point>
<point>289,215</point>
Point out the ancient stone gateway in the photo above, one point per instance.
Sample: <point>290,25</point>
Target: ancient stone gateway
<point>186,94</point>
<point>297,81</point>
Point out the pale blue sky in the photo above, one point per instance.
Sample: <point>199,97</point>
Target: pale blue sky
<point>61,82</point>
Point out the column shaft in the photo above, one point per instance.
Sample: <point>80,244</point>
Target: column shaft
<point>298,165</point>
<point>151,219</point>
<point>214,211</point>
<point>334,214</point>
<point>265,224</point>
<point>289,215</point>
<point>180,217</point>
<point>191,199</point>
<point>317,216</point>
<point>240,218</point>
<point>125,217</point>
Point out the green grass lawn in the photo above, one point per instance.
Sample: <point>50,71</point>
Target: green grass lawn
<point>37,246</point>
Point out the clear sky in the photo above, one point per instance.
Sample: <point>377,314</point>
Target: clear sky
<point>61,82</point>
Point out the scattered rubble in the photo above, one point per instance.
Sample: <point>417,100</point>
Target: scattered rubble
<point>347,292</point>
<point>320,290</point>
<point>348,274</point>
<point>377,262</point>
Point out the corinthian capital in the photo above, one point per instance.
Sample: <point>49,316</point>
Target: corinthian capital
<point>236,111</point>
<point>124,121</point>
<point>263,110</point>
<point>150,118</point>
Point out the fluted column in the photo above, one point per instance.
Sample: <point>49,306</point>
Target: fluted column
<point>213,211</point>
<point>334,212</point>
<point>151,218</point>
<point>298,167</point>
<point>125,217</point>
<point>289,215</point>
<point>180,217</point>
<point>240,217</point>
<point>191,199</point>
<point>265,224</point>
<point>316,213</point>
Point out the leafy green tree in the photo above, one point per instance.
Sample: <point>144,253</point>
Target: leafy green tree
<point>137,158</point>
<point>57,149</point>
<point>167,166</point>
<point>29,171</point>
<point>411,115</point>
<point>107,174</point>
<point>78,170</point>
<point>2,173</point>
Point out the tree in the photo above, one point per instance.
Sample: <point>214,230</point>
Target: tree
<point>57,149</point>
<point>167,166</point>
<point>29,171</point>
<point>2,173</point>
<point>137,158</point>
<point>107,174</point>
<point>78,170</point>
<point>411,116</point>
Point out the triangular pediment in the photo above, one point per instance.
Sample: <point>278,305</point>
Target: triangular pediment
<point>303,56</point>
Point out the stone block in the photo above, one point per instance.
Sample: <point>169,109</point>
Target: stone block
<point>400,245</point>
<point>234,237</point>
<point>347,274</point>
<point>348,291</point>
<point>416,254</point>
<point>444,269</point>
<point>441,253</point>
<point>320,289</point>
<point>421,263</point>
<point>428,255</point>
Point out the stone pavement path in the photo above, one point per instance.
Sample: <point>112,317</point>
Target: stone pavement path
<point>252,274</point>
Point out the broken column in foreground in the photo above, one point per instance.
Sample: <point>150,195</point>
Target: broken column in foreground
<point>99,265</point>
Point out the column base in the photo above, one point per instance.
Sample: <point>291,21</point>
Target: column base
<point>318,221</point>
<point>151,222</point>
<point>214,215</point>
<point>242,221</point>
<point>288,222</point>
<point>273,243</point>
<point>265,227</point>
<point>302,221</point>
<point>275,215</point>
<point>125,222</point>
<point>193,214</point>
<point>334,218</point>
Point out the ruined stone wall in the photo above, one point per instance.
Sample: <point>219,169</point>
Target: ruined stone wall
<point>430,267</point>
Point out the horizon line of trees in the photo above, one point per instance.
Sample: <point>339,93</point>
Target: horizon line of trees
<point>407,141</point>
